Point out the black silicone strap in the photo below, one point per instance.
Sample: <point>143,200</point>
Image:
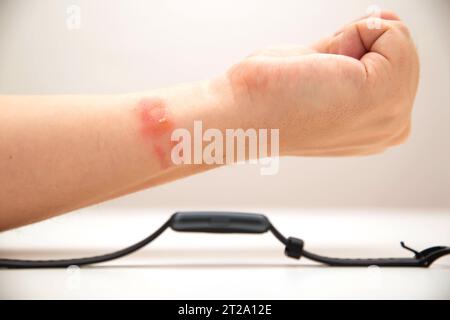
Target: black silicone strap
<point>235,222</point>
<point>220,222</point>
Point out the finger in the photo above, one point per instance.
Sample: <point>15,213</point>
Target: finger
<point>323,44</point>
<point>347,40</point>
<point>385,14</point>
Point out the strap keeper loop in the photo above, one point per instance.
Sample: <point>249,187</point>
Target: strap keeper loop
<point>294,248</point>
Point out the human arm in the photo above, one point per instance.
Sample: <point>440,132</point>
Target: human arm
<point>349,94</point>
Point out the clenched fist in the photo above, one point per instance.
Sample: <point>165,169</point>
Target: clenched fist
<point>348,94</point>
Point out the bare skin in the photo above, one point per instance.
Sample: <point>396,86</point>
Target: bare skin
<point>348,94</point>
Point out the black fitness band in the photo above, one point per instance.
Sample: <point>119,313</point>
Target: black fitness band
<point>234,222</point>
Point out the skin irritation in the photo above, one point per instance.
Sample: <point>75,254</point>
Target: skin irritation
<point>156,127</point>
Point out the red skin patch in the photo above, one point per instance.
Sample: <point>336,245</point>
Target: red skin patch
<point>156,126</point>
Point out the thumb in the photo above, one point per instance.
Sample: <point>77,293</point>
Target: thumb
<point>371,41</point>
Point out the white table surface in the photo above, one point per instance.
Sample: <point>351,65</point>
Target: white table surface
<point>202,266</point>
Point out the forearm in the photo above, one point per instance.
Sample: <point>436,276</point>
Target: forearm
<point>59,153</point>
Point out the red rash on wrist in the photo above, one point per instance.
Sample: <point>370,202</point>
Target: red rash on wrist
<point>156,126</point>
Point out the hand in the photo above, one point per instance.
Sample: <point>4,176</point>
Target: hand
<point>349,94</point>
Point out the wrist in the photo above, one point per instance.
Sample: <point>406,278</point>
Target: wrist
<point>163,112</point>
